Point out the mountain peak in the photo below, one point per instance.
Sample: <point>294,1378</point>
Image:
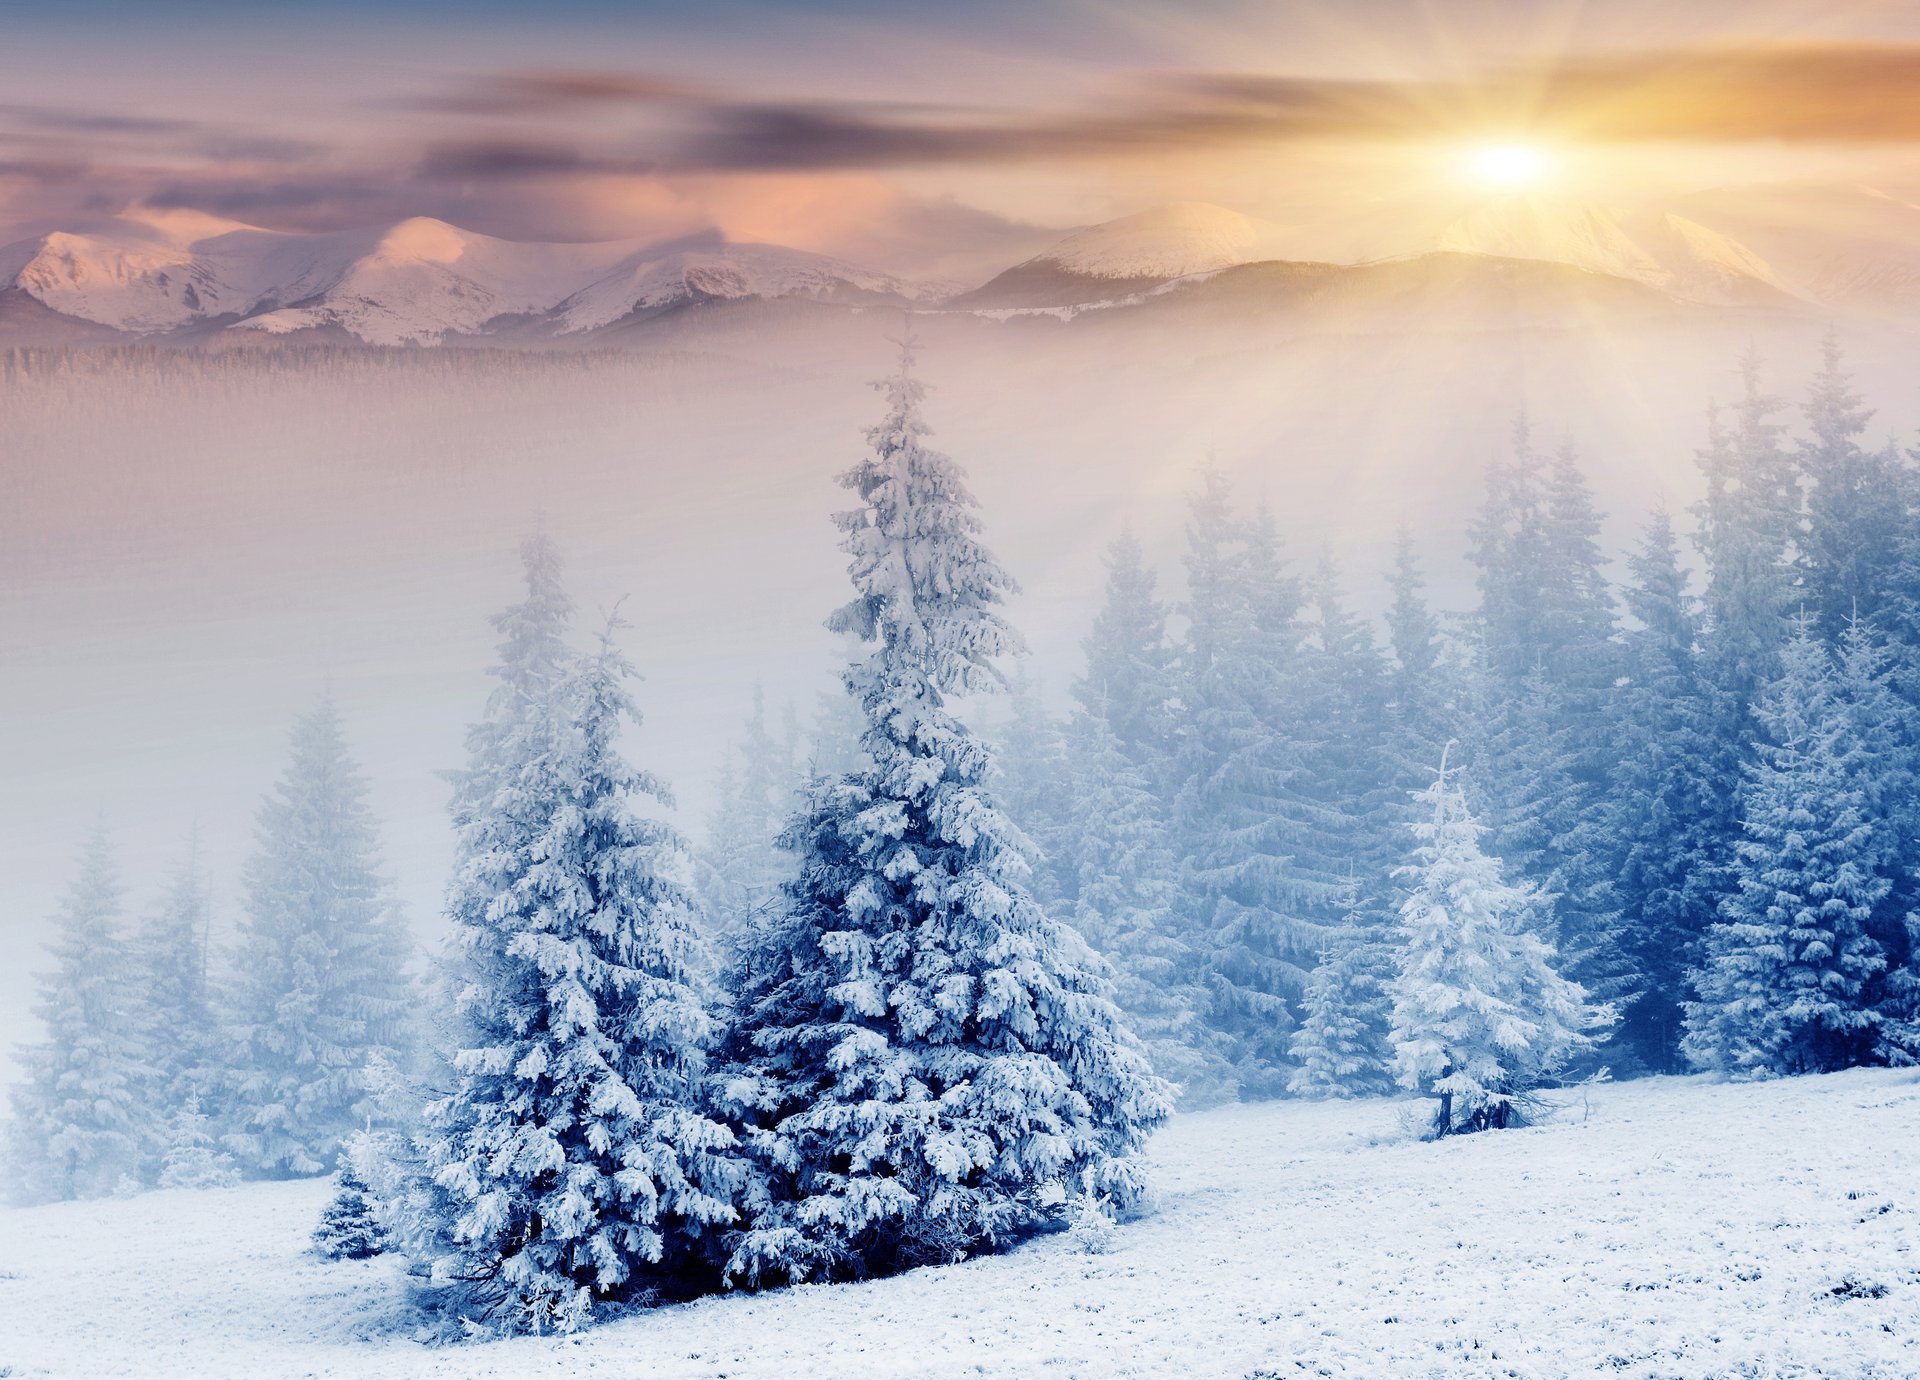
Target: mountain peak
<point>1657,248</point>
<point>428,239</point>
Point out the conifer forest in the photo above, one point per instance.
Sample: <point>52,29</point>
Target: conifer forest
<point>852,692</point>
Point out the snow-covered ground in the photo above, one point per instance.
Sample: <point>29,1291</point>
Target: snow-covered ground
<point>1673,1227</point>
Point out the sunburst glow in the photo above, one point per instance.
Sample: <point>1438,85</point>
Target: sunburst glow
<point>1509,165</point>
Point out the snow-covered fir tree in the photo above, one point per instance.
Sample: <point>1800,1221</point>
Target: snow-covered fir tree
<point>348,1228</point>
<point>1125,900</point>
<point>1128,679</point>
<point>1035,786</point>
<point>568,1161</point>
<point>322,984</point>
<point>1345,837</point>
<point>179,1026</point>
<point>192,1158</point>
<point>77,1109</point>
<point>1670,799</point>
<point>1420,695</point>
<point>1782,988</point>
<point>1482,1019</point>
<point>1243,812</point>
<point>1545,667</point>
<point>741,867</point>
<point>1342,1046</point>
<point>929,1065</point>
<point>1856,509</point>
<point>1747,525</point>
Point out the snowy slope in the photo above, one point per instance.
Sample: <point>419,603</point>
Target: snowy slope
<point>1661,250</point>
<point>1672,1228</point>
<point>417,282</point>
<point>1136,252</point>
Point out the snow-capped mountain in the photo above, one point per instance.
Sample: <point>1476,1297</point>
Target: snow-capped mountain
<point>1129,255</point>
<point>415,283</point>
<point>653,280</point>
<point>1664,251</point>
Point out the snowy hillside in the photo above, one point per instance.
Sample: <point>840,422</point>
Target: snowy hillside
<point>417,282</point>
<point>1120,256</point>
<point>1663,251</point>
<point>1673,1227</point>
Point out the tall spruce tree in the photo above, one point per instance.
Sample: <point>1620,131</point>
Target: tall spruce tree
<point>1419,693</point>
<point>1035,787</point>
<point>1246,810</point>
<point>1482,1018</point>
<point>567,1162</point>
<point>1125,905</point>
<point>1668,807</point>
<point>77,1110</point>
<point>1748,521</point>
<point>1856,508</point>
<point>1878,751</point>
<point>1783,985</point>
<point>322,984</point>
<point>929,1064</point>
<point>1345,824</point>
<point>1546,664</point>
<point>171,952</point>
<point>1128,679</point>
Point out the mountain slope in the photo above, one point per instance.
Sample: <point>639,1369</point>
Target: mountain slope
<point>722,271</point>
<point>1851,246</point>
<point>1130,255</point>
<point>1663,251</point>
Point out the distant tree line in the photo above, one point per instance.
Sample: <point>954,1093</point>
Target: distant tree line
<point>1710,797</point>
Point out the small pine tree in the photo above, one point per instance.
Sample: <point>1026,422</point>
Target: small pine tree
<point>192,1159</point>
<point>323,986</point>
<point>1787,964</point>
<point>348,1229</point>
<point>1342,1045</point>
<point>928,1065</point>
<point>1481,1018</point>
<point>76,1111</point>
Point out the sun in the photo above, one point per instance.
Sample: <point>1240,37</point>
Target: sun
<point>1510,166</point>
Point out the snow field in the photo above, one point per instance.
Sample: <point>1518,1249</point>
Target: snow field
<point>1671,1228</point>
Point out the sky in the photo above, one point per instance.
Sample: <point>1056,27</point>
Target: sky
<point>923,137</point>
